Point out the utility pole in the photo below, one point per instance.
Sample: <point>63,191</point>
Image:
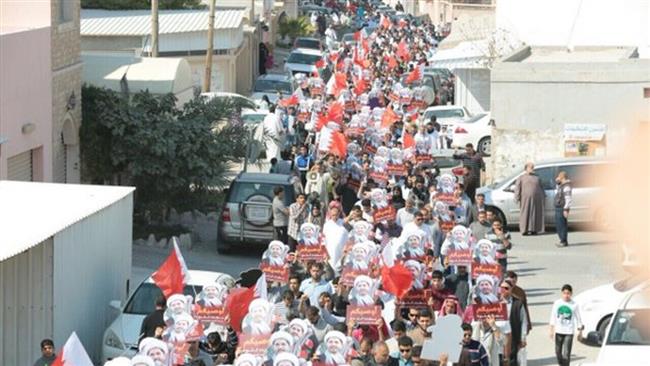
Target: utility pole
<point>210,50</point>
<point>154,28</point>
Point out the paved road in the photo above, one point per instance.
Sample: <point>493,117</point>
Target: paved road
<point>542,268</point>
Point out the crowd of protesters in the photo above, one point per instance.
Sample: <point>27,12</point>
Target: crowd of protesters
<point>375,229</point>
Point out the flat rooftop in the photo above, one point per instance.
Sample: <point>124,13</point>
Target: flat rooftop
<point>541,54</point>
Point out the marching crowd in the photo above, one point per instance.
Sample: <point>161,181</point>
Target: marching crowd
<point>380,257</point>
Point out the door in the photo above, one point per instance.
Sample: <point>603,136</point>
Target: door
<point>586,189</point>
<point>20,167</point>
<point>547,178</point>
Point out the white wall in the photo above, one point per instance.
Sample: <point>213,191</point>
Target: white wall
<point>25,304</point>
<point>92,264</point>
<point>531,103</point>
<point>577,22</point>
<point>472,89</point>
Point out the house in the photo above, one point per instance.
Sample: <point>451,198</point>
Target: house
<point>65,253</point>
<point>182,33</point>
<point>551,102</point>
<point>40,93</point>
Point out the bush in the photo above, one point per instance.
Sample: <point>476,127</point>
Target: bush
<point>174,157</point>
<point>296,27</point>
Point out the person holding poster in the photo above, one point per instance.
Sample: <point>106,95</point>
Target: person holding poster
<point>156,349</point>
<point>212,295</point>
<point>280,342</point>
<point>304,341</point>
<point>485,252</point>
<point>518,320</point>
<point>276,254</point>
<point>335,349</point>
<point>259,318</point>
<point>363,291</point>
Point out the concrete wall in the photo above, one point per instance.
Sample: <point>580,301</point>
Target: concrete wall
<point>26,98</point>
<point>472,89</point>
<point>24,14</point>
<point>531,102</point>
<point>66,82</point>
<point>223,72</point>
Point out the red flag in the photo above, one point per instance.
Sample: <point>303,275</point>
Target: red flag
<point>73,353</point>
<point>334,57</point>
<point>238,300</point>
<point>321,121</point>
<point>172,274</point>
<point>396,280</point>
<point>337,84</point>
<point>335,113</point>
<point>407,140</point>
<point>384,22</point>
<point>360,86</point>
<point>403,51</point>
<point>339,146</point>
<point>414,75</point>
<point>356,36</point>
<point>292,100</point>
<point>392,63</point>
<point>320,64</point>
<point>389,117</point>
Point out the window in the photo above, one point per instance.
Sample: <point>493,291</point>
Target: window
<point>142,301</point>
<point>66,9</point>
<point>242,191</point>
<point>273,86</point>
<point>547,177</point>
<point>303,58</point>
<point>585,175</point>
<point>630,328</point>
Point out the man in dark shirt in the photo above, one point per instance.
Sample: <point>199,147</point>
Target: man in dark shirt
<point>153,320</point>
<point>48,355</point>
<point>458,284</point>
<point>474,161</point>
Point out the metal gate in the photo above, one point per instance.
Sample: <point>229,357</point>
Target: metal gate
<point>20,167</point>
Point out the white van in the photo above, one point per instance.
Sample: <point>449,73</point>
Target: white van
<point>627,341</point>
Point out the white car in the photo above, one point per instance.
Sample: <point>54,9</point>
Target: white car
<point>270,85</point>
<point>447,115</point>
<point>121,337</point>
<point>599,303</point>
<point>477,131</point>
<point>302,60</point>
<point>627,340</point>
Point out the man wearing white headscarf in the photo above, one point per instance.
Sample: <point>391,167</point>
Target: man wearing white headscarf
<point>275,254</point>
<point>417,270</point>
<point>485,289</point>
<point>363,291</point>
<point>258,319</point>
<point>212,295</point>
<point>334,348</point>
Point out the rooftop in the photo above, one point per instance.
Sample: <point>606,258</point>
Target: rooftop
<point>552,54</point>
<point>33,212</point>
<point>138,22</point>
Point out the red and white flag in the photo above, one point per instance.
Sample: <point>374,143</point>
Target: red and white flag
<point>239,298</point>
<point>73,353</point>
<point>395,277</point>
<point>172,275</point>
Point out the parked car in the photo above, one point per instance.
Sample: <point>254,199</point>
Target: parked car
<point>501,198</point>
<point>270,85</point>
<point>121,337</point>
<point>246,215</point>
<point>308,43</point>
<point>476,130</point>
<point>242,101</point>
<point>447,115</point>
<point>597,305</point>
<point>306,10</point>
<point>627,339</point>
<point>303,60</point>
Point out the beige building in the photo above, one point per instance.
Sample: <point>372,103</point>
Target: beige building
<point>66,90</point>
<point>182,33</point>
<point>40,92</point>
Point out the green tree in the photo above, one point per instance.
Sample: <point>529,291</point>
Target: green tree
<point>295,28</point>
<point>174,157</point>
<point>140,4</point>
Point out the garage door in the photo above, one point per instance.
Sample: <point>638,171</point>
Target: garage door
<point>19,167</point>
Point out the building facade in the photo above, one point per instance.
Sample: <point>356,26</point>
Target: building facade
<point>66,90</point>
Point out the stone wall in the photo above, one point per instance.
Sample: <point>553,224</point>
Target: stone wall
<point>201,229</point>
<point>66,81</point>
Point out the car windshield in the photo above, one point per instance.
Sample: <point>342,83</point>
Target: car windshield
<point>308,43</point>
<point>630,327</point>
<point>445,113</point>
<point>142,301</point>
<point>628,283</point>
<point>272,86</point>
<point>253,118</point>
<point>303,58</point>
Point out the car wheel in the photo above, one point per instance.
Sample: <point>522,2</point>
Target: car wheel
<point>223,247</point>
<point>485,146</point>
<point>602,326</point>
